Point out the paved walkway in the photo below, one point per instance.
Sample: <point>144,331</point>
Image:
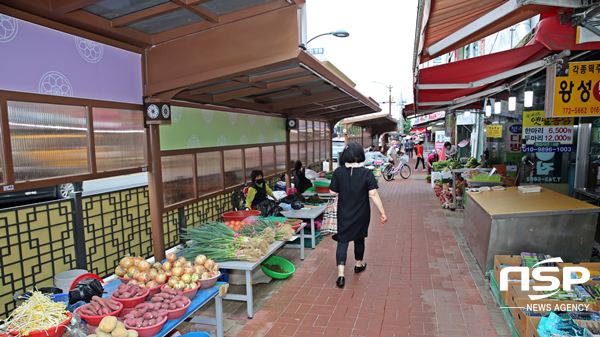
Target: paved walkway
<point>416,284</point>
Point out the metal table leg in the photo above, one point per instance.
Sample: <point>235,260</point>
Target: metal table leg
<point>249,294</point>
<point>312,232</point>
<point>302,244</point>
<point>219,315</point>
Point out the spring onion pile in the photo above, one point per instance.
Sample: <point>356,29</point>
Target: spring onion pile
<point>220,243</point>
<point>38,313</point>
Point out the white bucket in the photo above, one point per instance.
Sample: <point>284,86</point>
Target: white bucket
<point>65,279</point>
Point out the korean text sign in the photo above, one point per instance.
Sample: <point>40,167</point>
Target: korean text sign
<point>494,131</point>
<point>579,93</point>
<point>547,134</point>
<point>513,137</point>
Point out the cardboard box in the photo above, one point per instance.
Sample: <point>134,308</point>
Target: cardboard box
<point>519,299</point>
<point>589,265</point>
<point>534,322</point>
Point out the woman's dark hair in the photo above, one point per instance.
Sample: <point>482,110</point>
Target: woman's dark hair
<point>436,157</point>
<point>447,144</point>
<point>256,173</point>
<point>298,165</point>
<point>353,153</point>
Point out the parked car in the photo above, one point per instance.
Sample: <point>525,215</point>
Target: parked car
<point>337,146</point>
<point>61,191</point>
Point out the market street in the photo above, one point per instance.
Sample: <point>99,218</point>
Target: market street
<point>417,282</point>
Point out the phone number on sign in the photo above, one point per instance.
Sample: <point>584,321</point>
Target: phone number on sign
<point>581,110</point>
<point>543,179</point>
<point>548,149</point>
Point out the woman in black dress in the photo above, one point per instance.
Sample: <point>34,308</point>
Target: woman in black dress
<point>354,185</point>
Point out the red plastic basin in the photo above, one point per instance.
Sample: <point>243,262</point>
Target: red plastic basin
<point>209,282</point>
<point>239,215</point>
<point>149,331</point>
<point>322,189</point>
<point>52,332</point>
<point>95,320</point>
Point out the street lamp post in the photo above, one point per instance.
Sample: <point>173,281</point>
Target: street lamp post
<point>337,33</point>
<point>390,89</point>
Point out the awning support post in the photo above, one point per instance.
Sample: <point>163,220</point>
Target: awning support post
<point>288,161</point>
<point>155,192</point>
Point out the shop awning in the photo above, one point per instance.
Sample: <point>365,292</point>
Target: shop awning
<point>446,25</point>
<point>380,123</point>
<point>463,82</point>
<point>554,36</point>
<point>428,123</point>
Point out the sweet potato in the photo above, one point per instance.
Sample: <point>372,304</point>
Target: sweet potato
<point>169,291</point>
<point>130,322</point>
<point>167,301</point>
<point>125,295</point>
<point>144,305</point>
<point>172,306</point>
<point>161,313</point>
<point>129,315</point>
<point>157,299</point>
<point>151,321</point>
<point>177,298</point>
<point>111,305</point>
<point>95,305</point>
<point>165,306</point>
<point>86,312</point>
<point>108,324</point>
<point>138,322</point>
<point>141,292</point>
<point>148,316</point>
<point>157,306</point>
<point>144,324</point>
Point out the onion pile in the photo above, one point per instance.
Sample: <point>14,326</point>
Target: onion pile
<point>186,277</point>
<point>142,273</point>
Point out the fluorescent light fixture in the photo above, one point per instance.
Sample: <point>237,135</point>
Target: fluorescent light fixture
<point>488,109</point>
<point>497,106</point>
<point>440,123</point>
<point>467,113</point>
<point>528,96</point>
<point>429,128</point>
<point>512,102</point>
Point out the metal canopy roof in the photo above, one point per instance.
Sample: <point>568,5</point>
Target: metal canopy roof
<point>144,23</point>
<point>380,123</point>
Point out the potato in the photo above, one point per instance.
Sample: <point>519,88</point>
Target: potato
<point>108,324</point>
<point>99,333</point>
<point>132,333</point>
<point>120,324</point>
<point>94,335</point>
<point>119,332</point>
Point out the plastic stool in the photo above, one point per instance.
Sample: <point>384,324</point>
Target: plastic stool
<point>291,191</point>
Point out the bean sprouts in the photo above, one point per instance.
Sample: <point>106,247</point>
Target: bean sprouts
<point>38,313</point>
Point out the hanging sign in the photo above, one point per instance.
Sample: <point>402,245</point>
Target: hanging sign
<point>547,134</point>
<point>513,137</point>
<point>494,131</point>
<point>579,93</point>
<point>440,140</point>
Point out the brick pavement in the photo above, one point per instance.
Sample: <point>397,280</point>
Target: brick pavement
<point>416,284</point>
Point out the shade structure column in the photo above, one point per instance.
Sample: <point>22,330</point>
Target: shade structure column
<point>155,190</point>
<point>330,144</point>
<point>288,158</point>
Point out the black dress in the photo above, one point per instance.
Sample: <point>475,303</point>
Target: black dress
<point>354,210</point>
<point>301,182</point>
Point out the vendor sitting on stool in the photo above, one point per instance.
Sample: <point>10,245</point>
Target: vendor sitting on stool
<point>258,190</point>
<point>300,181</point>
<point>432,158</point>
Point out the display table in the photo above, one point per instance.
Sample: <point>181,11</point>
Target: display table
<point>201,298</point>
<point>509,222</point>
<point>300,231</point>
<point>592,193</point>
<point>248,267</point>
<point>311,213</point>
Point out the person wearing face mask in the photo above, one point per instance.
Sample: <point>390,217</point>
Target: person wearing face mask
<point>258,191</point>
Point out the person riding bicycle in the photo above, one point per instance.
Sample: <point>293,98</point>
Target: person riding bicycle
<point>394,153</point>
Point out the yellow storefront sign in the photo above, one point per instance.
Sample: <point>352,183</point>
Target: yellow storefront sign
<point>494,131</point>
<point>579,93</point>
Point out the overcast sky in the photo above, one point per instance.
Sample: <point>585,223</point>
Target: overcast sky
<point>380,45</point>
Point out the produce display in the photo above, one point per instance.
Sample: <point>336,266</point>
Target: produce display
<point>315,199</point>
<point>140,271</point>
<point>100,306</point>
<point>221,243</point>
<point>329,175</point>
<point>110,327</point>
<point>236,225</point>
<point>445,194</point>
<point>167,299</point>
<point>37,313</point>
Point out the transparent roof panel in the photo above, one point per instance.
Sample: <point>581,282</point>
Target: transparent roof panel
<point>165,22</point>
<point>112,9</point>
<point>222,7</point>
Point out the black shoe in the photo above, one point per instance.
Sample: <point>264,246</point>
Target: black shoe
<point>360,269</point>
<point>341,282</point>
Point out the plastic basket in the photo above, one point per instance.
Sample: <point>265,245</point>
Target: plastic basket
<point>239,215</point>
<point>283,263</point>
<point>485,177</point>
<point>322,189</point>
<point>321,183</point>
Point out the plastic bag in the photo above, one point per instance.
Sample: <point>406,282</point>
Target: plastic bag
<point>76,328</point>
<point>85,290</point>
<point>285,207</point>
<point>268,208</point>
<point>556,325</point>
<point>310,174</point>
<point>297,205</point>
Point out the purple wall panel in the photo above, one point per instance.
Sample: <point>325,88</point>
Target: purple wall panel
<point>37,59</point>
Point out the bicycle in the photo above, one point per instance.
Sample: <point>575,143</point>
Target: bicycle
<point>390,171</point>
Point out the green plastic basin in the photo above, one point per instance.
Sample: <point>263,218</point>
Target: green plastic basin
<point>283,263</point>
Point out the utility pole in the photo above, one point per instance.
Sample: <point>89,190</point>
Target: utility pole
<point>390,99</point>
